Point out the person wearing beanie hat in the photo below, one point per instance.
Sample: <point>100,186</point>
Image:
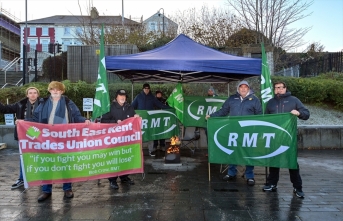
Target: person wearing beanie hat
<point>57,109</point>
<point>22,109</point>
<point>145,100</point>
<point>244,102</point>
<point>119,111</point>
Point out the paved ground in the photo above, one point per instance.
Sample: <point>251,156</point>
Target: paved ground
<point>184,193</point>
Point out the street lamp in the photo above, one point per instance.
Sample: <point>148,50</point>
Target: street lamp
<point>159,14</point>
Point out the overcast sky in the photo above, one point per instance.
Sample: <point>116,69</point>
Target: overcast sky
<point>326,20</point>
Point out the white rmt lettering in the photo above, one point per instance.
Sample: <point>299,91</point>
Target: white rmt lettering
<point>268,136</point>
<point>232,140</point>
<point>250,141</point>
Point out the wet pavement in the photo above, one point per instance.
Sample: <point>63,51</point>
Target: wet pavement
<point>184,193</point>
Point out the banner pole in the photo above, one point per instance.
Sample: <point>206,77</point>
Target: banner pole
<point>209,172</point>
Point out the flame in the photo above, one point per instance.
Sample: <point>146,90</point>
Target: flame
<point>174,141</point>
<point>174,145</point>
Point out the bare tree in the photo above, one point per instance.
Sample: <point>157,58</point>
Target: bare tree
<point>273,19</point>
<point>211,27</point>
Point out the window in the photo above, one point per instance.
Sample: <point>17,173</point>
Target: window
<point>152,26</point>
<point>32,44</point>
<point>67,31</point>
<point>45,45</point>
<point>32,31</point>
<point>45,31</point>
<point>78,31</point>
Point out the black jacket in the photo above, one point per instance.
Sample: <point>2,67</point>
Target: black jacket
<point>118,112</point>
<point>18,109</point>
<point>284,103</point>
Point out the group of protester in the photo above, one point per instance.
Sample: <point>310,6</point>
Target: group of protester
<point>58,109</point>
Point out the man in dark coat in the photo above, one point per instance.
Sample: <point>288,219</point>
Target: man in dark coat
<point>284,102</point>
<point>162,142</point>
<point>145,100</point>
<point>119,110</point>
<point>244,102</point>
<point>22,109</point>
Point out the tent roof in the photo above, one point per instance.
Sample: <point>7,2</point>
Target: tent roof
<point>184,60</point>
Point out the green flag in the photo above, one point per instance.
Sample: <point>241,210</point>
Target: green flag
<point>176,101</point>
<point>258,140</point>
<point>266,84</point>
<point>102,98</point>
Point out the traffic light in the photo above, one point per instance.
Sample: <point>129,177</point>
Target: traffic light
<point>51,48</point>
<point>59,48</point>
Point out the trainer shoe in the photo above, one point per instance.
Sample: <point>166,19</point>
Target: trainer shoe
<point>152,153</point>
<point>271,188</point>
<point>251,181</point>
<point>229,178</point>
<point>299,193</point>
<point>114,185</point>
<point>17,184</point>
<point>128,181</point>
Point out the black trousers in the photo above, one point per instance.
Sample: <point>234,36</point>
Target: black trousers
<point>162,143</point>
<point>294,176</point>
<point>123,177</point>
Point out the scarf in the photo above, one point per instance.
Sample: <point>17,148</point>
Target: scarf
<point>60,112</point>
<point>30,108</point>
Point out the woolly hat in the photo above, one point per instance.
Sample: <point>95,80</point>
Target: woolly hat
<point>146,85</point>
<point>159,92</point>
<point>56,85</point>
<point>241,83</point>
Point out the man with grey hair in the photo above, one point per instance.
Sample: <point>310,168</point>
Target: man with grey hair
<point>244,102</point>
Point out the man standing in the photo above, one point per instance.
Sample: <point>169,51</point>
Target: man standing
<point>244,102</point>
<point>22,109</point>
<point>57,109</point>
<point>162,142</point>
<point>146,101</point>
<point>283,102</point>
<point>119,110</point>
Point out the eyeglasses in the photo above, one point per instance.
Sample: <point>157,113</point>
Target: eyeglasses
<point>279,87</point>
<point>148,88</point>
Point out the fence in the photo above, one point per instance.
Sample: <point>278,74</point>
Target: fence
<point>83,61</point>
<point>289,72</point>
<point>326,63</point>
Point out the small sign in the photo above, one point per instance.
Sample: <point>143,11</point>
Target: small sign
<point>87,104</point>
<point>97,51</point>
<point>9,119</point>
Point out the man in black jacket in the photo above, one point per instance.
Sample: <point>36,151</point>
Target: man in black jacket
<point>283,102</point>
<point>162,142</point>
<point>119,110</point>
<point>22,109</point>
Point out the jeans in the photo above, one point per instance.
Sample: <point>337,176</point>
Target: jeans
<point>249,171</point>
<point>20,172</point>
<point>48,187</point>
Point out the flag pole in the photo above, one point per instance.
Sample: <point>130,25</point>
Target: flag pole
<point>266,87</point>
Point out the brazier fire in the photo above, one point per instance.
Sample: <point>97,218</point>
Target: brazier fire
<point>173,152</point>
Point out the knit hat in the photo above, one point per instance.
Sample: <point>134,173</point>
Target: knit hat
<point>56,85</point>
<point>241,83</point>
<point>146,85</point>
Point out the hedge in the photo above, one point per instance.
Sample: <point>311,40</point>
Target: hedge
<point>325,90</point>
